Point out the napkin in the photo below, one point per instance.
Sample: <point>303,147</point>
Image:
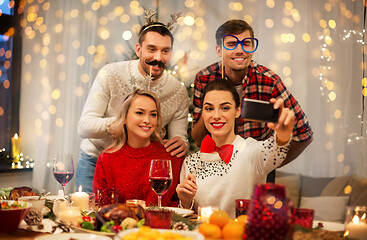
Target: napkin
<point>47,223</point>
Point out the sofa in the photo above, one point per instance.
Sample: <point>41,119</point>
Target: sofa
<point>328,196</point>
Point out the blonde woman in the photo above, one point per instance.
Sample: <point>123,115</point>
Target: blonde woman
<point>137,134</point>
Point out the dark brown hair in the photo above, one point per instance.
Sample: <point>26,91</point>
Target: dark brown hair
<point>157,27</point>
<point>232,27</point>
<point>221,84</point>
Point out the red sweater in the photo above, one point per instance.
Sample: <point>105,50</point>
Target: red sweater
<point>128,171</point>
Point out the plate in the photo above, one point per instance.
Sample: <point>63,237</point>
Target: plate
<point>331,226</point>
<point>190,234</point>
<point>51,197</point>
<point>68,236</point>
<point>83,230</point>
<point>181,211</point>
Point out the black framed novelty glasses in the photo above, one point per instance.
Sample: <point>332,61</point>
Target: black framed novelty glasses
<point>249,45</point>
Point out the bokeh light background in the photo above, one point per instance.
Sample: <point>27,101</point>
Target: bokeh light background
<point>316,47</point>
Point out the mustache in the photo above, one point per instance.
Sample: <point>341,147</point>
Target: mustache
<point>155,62</point>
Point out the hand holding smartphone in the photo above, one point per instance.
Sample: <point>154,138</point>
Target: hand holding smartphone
<point>259,111</point>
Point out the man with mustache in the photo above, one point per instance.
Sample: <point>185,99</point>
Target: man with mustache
<point>236,45</point>
<point>115,81</point>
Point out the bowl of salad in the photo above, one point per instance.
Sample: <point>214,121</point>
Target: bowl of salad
<point>13,213</point>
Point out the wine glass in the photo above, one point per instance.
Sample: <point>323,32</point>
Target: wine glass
<point>160,177</point>
<point>63,169</point>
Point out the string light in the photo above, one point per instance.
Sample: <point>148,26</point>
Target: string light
<point>193,22</point>
<point>349,33</point>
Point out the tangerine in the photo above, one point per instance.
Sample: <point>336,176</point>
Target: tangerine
<point>219,218</point>
<point>242,219</point>
<point>233,230</point>
<point>210,231</point>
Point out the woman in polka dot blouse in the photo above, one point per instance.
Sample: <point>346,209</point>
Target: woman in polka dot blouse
<point>227,167</point>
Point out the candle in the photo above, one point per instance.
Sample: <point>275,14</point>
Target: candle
<point>357,229</point>
<point>15,148</point>
<point>70,215</point>
<point>136,202</point>
<point>205,213</point>
<point>80,199</point>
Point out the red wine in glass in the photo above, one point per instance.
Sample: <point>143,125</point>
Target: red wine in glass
<point>63,169</point>
<point>63,177</point>
<point>160,177</point>
<point>160,185</point>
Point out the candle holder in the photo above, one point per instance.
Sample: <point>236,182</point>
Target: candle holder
<point>303,217</point>
<point>356,222</point>
<point>158,219</point>
<point>107,196</point>
<point>93,206</point>
<point>136,202</point>
<point>268,213</point>
<point>242,206</point>
<point>70,215</point>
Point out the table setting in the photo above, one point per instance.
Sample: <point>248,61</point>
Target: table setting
<point>88,215</point>
<point>158,218</point>
<point>32,214</point>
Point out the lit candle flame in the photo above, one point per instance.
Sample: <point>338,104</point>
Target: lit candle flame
<point>16,136</point>
<point>363,216</point>
<point>355,219</point>
<point>80,188</point>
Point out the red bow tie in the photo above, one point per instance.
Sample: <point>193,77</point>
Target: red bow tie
<point>208,146</point>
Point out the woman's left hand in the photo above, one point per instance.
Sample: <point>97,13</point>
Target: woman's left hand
<point>285,124</point>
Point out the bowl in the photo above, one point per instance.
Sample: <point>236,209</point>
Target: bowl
<point>13,216</point>
<point>35,201</point>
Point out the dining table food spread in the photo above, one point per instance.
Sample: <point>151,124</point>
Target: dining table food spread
<point>125,221</point>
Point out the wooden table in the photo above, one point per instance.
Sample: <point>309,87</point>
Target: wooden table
<point>24,232</point>
<point>21,234</point>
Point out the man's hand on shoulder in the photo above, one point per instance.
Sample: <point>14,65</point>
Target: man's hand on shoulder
<point>176,146</point>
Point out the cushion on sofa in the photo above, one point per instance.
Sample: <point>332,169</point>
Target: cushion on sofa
<point>336,186</point>
<point>292,183</point>
<point>354,186</point>
<point>358,196</point>
<point>313,186</point>
<point>328,208</point>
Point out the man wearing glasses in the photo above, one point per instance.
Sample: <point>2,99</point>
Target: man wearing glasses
<point>236,45</point>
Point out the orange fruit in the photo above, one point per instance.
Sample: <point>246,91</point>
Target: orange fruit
<point>233,230</point>
<point>210,231</point>
<point>242,219</point>
<point>219,218</point>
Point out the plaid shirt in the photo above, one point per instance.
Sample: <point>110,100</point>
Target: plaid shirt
<point>262,84</point>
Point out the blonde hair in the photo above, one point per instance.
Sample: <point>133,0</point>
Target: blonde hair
<point>118,129</point>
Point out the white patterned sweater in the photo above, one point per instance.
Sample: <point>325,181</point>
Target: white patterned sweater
<point>111,86</point>
<point>219,184</point>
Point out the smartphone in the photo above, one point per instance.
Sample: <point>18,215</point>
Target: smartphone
<point>259,111</point>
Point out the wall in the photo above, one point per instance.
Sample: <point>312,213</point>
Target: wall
<point>16,179</point>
